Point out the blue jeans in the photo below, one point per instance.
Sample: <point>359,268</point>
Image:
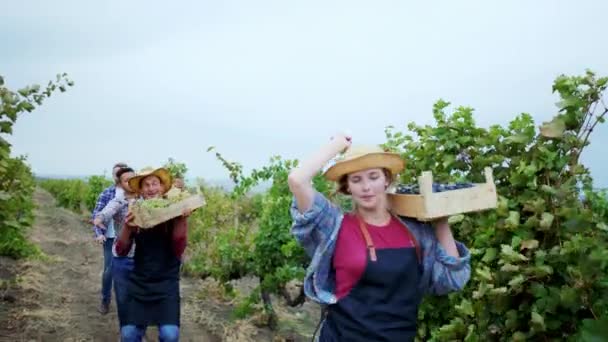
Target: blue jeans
<point>106,278</point>
<point>121,268</point>
<point>132,333</point>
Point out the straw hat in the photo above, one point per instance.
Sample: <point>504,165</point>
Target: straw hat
<point>161,173</point>
<point>358,158</point>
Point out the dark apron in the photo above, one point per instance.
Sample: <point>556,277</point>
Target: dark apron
<point>154,282</point>
<point>383,305</point>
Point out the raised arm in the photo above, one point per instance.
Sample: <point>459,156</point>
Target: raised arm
<point>300,178</point>
<point>111,208</point>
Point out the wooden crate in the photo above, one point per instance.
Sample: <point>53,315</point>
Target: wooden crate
<point>150,217</point>
<point>429,205</point>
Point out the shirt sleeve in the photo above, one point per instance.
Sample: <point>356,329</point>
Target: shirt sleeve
<point>315,226</point>
<point>180,236</point>
<point>122,249</point>
<point>113,206</point>
<point>102,200</point>
<point>447,273</point>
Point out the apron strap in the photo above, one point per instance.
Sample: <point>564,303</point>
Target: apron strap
<point>370,243</point>
<point>413,239</point>
<point>368,239</point>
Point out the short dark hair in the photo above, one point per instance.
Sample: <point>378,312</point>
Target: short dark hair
<point>121,165</point>
<point>122,171</point>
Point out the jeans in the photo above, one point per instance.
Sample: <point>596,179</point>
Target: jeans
<point>106,278</point>
<point>121,268</point>
<point>133,333</point>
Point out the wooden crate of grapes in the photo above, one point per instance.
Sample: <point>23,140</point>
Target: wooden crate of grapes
<point>149,213</point>
<point>429,204</point>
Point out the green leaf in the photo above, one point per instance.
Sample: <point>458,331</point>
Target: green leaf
<point>448,160</point>
<point>569,298</point>
<point>510,268</point>
<point>511,321</point>
<point>455,219</point>
<point>6,127</point>
<point>465,308</point>
<point>519,336</point>
<point>515,241</point>
<point>537,321</point>
<point>594,330</point>
<point>518,280</point>
<point>529,244</point>
<point>4,196</point>
<point>502,207</point>
<point>509,255</point>
<point>484,273</point>
<point>546,220</point>
<point>517,139</point>
<point>499,291</point>
<point>490,255</point>
<point>513,220</point>
<point>548,189</point>
<point>553,129</point>
<point>539,290</point>
<point>541,271</point>
<point>24,91</point>
<point>471,335</point>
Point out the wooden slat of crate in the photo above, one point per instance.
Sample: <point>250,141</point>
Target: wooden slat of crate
<point>149,218</point>
<point>430,205</point>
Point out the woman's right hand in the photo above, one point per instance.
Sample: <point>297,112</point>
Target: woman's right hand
<point>342,141</point>
<point>97,222</point>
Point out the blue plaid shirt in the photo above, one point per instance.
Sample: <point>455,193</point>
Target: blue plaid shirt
<point>317,231</point>
<point>104,198</point>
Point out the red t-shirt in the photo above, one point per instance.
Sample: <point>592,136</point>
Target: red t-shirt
<point>350,256</point>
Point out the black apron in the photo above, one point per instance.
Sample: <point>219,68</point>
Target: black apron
<point>154,282</point>
<point>383,305</point>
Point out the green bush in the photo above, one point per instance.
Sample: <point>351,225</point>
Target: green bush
<point>16,180</point>
<point>540,261</point>
<point>76,194</point>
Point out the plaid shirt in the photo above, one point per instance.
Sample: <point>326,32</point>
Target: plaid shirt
<point>317,231</point>
<point>102,201</point>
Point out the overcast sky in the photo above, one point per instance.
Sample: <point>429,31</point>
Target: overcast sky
<point>258,78</point>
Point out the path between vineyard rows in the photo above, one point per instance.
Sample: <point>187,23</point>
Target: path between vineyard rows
<point>56,299</point>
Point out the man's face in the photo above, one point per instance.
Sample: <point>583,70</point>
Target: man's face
<point>152,187</point>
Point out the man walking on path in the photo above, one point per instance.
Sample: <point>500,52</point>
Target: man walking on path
<point>106,237</point>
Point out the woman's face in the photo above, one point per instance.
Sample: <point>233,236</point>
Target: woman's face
<point>124,180</point>
<point>368,187</point>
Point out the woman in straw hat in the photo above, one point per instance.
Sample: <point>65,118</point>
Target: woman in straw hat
<point>369,268</point>
<point>153,288</point>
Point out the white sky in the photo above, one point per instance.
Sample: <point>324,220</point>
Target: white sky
<point>260,78</point>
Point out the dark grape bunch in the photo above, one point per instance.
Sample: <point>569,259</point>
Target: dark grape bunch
<point>404,189</point>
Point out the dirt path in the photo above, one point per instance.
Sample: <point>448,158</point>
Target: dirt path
<point>56,299</point>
